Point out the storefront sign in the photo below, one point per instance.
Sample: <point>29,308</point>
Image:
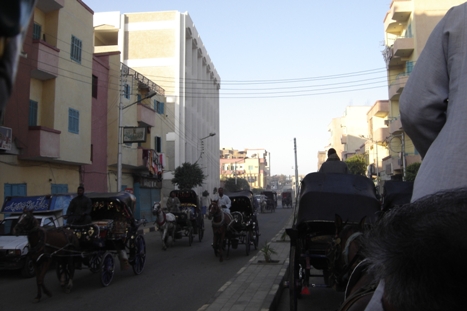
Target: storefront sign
<point>150,183</point>
<point>5,138</point>
<point>134,134</point>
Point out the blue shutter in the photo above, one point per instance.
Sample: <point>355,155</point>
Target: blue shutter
<point>59,188</point>
<point>162,108</point>
<point>19,190</point>
<point>32,113</point>
<point>73,121</point>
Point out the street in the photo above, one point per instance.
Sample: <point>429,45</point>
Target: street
<point>180,278</point>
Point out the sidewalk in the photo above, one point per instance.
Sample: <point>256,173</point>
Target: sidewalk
<point>256,286</point>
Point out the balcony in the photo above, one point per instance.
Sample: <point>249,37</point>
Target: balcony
<point>396,87</point>
<point>380,109</point>
<point>146,115</point>
<point>403,47</point>
<point>44,60</point>
<point>395,126</point>
<point>344,139</point>
<point>47,6</point>
<point>43,143</point>
<point>400,10</point>
<point>380,135</point>
<point>397,16</point>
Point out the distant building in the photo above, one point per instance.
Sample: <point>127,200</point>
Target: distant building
<point>249,164</point>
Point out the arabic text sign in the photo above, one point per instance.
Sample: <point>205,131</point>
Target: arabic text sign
<point>37,204</point>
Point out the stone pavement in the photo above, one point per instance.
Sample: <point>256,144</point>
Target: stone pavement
<point>257,286</point>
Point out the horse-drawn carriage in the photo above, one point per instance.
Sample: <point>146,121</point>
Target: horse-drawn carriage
<point>271,202</point>
<point>322,197</point>
<point>245,228</point>
<point>112,233</point>
<point>396,192</point>
<point>286,199</point>
<point>189,221</point>
<point>238,227</point>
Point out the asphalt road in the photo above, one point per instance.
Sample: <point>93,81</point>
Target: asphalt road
<point>182,278</point>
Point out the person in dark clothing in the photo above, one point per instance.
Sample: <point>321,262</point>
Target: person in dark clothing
<point>333,164</point>
<point>79,210</point>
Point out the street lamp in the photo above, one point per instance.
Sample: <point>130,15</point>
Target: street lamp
<point>202,145</point>
<point>120,136</point>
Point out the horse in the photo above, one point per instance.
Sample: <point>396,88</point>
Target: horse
<point>220,226</point>
<point>345,253</point>
<point>45,245</point>
<point>166,224</point>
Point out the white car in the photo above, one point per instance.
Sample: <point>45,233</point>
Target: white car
<point>14,249</point>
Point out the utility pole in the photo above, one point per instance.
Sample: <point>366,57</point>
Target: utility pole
<point>296,167</point>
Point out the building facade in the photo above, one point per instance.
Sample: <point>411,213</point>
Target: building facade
<point>173,56</point>
<point>249,164</point>
<point>407,26</point>
<point>49,112</point>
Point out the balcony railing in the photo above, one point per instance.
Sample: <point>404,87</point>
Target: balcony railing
<point>397,86</point>
<point>50,5</point>
<point>403,47</point>
<point>44,60</point>
<point>43,143</point>
<point>146,115</point>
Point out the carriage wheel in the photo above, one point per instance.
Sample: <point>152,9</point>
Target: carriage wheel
<point>107,269</point>
<point>95,262</point>
<point>190,236</point>
<point>140,255</point>
<point>247,242</point>
<point>201,230</point>
<point>294,278</point>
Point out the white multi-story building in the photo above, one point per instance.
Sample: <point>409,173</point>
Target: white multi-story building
<point>166,48</point>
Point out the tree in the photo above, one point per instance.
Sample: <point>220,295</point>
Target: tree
<point>357,164</point>
<point>188,176</point>
<point>231,185</point>
<point>411,171</point>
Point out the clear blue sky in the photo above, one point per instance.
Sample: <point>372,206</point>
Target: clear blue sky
<point>287,67</point>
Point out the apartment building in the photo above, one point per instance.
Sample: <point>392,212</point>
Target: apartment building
<point>249,164</point>
<point>166,48</point>
<point>407,26</point>
<point>49,112</point>
<point>347,133</point>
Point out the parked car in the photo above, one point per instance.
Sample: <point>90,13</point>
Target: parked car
<point>48,210</point>
<point>14,249</point>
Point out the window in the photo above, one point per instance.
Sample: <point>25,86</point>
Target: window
<point>36,31</point>
<point>94,86</point>
<point>159,107</point>
<point>158,144</point>
<point>73,121</point>
<point>408,67</point>
<point>15,190</point>
<point>138,97</point>
<point>32,113</point>
<point>75,52</point>
<point>58,188</point>
<point>126,91</point>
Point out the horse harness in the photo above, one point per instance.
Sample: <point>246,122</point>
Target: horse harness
<point>336,253</point>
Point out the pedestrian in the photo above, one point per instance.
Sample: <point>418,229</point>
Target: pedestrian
<point>224,201</point>
<point>433,106</point>
<point>205,201</point>
<point>333,164</point>
<point>79,209</point>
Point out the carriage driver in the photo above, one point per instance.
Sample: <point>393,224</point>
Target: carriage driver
<point>79,210</point>
<point>224,201</point>
<point>173,203</point>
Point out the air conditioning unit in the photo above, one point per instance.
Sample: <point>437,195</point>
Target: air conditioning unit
<point>386,122</point>
<point>389,169</point>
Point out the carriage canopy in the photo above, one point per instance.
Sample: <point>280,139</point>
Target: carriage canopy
<point>396,192</point>
<point>242,201</point>
<point>110,205</point>
<point>324,195</point>
<point>188,196</point>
